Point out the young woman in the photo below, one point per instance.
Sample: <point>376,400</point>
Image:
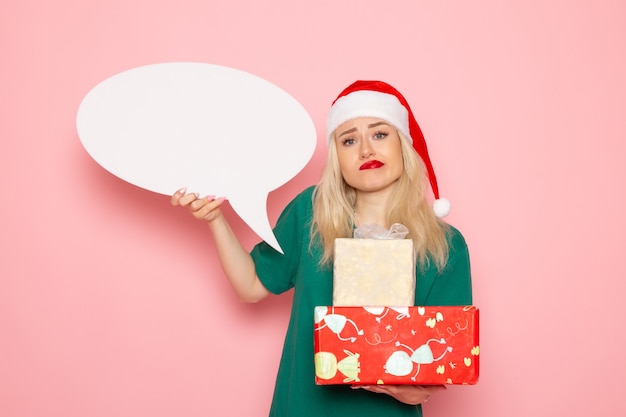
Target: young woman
<point>377,172</point>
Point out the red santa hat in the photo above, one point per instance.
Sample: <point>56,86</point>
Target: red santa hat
<point>379,99</point>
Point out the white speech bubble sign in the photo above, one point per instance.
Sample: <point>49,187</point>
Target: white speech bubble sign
<point>213,129</point>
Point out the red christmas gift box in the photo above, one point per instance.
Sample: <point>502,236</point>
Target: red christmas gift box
<point>396,345</point>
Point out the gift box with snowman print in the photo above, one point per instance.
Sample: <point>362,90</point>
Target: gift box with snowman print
<point>396,345</point>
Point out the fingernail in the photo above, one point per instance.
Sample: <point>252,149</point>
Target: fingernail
<point>182,190</point>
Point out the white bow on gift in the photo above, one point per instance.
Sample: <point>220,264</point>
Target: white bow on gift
<point>375,231</point>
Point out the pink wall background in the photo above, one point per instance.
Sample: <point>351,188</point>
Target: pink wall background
<point>112,303</point>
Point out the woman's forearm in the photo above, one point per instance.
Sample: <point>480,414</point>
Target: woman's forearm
<point>236,262</point>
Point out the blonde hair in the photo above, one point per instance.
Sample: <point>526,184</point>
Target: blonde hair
<point>334,217</point>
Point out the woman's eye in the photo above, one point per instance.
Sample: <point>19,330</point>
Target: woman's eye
<point>380,135</point>
<point>348,141</point>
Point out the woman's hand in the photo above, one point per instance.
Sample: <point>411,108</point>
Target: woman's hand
<point>408,394</point>
<point>206,208</point>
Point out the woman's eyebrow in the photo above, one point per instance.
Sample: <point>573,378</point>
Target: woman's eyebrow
<point>377,124</point>
<point>347,131</point>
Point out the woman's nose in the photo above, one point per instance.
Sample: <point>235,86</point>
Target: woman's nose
<point>366,149</point>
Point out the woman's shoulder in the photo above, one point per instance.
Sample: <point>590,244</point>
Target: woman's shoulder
<point>307,193</point>
<point>301,204</point>
<point>304,198</point>
<point>455,237</point>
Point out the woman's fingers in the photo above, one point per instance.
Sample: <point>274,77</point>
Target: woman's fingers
<point>175,199</point>
<point>408,394</point>
<point>206,208</point>
<point>201,208</point>
<point>188,200</point>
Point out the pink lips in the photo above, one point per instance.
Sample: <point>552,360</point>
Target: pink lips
<point>371,165</point>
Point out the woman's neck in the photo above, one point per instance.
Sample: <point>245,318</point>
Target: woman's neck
<point>371,208</point>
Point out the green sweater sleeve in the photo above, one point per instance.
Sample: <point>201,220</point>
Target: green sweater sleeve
<point>275,270</point>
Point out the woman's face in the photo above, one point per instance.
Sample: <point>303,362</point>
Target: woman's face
<point>369,154</point>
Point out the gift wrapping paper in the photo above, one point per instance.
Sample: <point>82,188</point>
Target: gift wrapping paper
<point>373,272</point>
<point>396,345</point>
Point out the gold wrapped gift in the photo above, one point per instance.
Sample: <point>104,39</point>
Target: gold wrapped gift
<point>374,272</point>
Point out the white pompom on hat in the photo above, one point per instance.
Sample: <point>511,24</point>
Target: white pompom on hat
<point>379,99</point>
